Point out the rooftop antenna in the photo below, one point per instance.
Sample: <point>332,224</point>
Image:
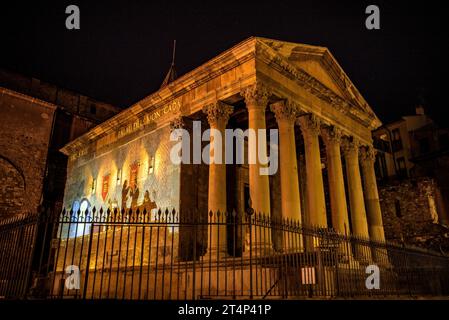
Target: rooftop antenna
<point>171,74</point>
<point>174,53</point>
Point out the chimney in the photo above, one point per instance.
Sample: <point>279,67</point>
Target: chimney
<point>420,110</point>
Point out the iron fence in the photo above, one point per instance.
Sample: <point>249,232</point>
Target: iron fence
<point>162,255</point>
<point>17,239</point>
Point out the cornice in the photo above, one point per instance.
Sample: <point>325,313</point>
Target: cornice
<point>27,98</point>
<point>246,50</point>
<point>271,57</point>
<point>220,64</point>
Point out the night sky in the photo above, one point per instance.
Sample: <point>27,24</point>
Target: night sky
<point>123,49</point>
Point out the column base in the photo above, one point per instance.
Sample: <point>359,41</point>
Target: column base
<point>216,254</point>
<point>259,249</point>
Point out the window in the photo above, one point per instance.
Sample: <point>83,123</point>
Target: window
<point>93,109</point>
<point>382,144</point>
<point>402,170</point>
<point>424,145</point>
<point>397,207</point>
<point>380,166</point>
<point>396,144</point>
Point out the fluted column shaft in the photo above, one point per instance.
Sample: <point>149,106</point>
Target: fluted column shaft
<point>256,99</point>
<point>356,200</point>
<point>374,214</point>
<point>339,209</point>
<point>286,113</point>
<point>218,115</point>
<point>316,206</point>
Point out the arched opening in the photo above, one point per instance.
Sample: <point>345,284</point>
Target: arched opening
<point>80,223</point>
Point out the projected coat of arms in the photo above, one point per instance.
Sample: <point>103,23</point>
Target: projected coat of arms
<point>105,186</point>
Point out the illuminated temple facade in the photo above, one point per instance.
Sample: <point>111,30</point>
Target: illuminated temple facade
<point>326,174</point>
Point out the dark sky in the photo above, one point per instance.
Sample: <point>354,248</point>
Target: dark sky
<point>123,49</point>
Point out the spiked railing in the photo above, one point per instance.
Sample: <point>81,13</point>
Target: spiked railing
<point>165,254</point>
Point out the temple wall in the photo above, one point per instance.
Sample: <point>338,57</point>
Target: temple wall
<point>136,173</point>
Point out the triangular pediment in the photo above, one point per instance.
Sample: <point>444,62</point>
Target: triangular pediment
<point>319,63</point>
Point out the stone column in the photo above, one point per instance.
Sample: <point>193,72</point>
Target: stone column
<point>356,200</point>
<point>217,115</point>
<point>286,114</point>
<point>256,99</point>
<point>373,212</point>
<point>316,206</point>
<point>332,139</point>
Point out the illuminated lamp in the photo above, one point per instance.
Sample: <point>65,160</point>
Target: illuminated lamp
<point>151,166</point>
<point>119,176</point>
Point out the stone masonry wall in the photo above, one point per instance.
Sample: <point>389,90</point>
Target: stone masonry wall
<point>410,210</point>
<point>68,100</point>
<point>25,128</point>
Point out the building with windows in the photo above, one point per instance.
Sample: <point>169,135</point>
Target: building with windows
<point>411,167</point>
<point>36,120</point>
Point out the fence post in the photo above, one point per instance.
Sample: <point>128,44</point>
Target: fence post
<point>195,229</point>
<point>249,217</point>
<point>86,279</point>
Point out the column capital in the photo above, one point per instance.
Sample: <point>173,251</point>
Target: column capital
<point>177,123</point>
<point>367,155</point>
<point>256,95</point>
<point>350,145</point>
<point>331,135</point>
<point>285,110</point>
<point>310,125</point>
<point>218,112</point>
